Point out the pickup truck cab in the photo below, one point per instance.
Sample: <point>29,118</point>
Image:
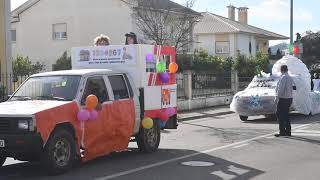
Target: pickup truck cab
<point>39,122</point>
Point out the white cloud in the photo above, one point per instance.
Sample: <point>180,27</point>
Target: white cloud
<point>279,11</point>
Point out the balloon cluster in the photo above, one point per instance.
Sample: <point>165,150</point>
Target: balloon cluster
<point>164,116</point>
<point>161,68</point>
<point>89,112</point>
<point>294,49</point>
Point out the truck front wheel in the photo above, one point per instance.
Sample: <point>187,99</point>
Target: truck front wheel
<point>148,140</point>
<point>59,154</point>
<point>2,159</point>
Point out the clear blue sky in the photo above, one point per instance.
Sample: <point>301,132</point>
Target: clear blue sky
<point>272,15</point>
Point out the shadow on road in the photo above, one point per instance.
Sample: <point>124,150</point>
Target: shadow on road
<point>131,159</point>
<point>205,115</point>
<point>295,119</point>
<point>298,138</point>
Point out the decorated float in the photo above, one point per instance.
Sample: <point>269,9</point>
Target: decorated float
<point>259,98</point>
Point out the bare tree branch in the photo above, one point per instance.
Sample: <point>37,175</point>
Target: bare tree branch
<point>166,23</point>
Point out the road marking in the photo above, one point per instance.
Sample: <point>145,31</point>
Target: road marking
<point>198,163</point>
<point>223,175</point>
<point>307,132</point>
<point>191,155</point>
<point>238,170</point>
<point>270,137</point>
<point>241,145</point>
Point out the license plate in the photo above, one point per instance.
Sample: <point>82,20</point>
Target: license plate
<point>2,144</point>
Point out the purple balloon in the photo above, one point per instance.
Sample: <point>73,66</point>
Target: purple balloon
<point>171,111</point>
<point>93,115</point>
<point>165,77</point>
<point>83,115</point>
<point>149,57</point>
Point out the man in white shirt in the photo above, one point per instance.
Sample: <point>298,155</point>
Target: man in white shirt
<point>284,93</point>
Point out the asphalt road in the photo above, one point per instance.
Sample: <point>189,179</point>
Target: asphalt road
<point>209,144</point>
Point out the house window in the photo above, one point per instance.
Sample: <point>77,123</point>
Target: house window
<point>14,35</point>
<point>59,31</point>
<point>222,47</point>
<point>250,48</point>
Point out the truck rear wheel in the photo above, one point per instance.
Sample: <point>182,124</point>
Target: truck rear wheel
<point>148,140</point>
<point>2,159</point>
<point>59,154</point>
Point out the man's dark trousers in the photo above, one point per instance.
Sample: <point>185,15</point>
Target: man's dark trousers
<point>283,116</point>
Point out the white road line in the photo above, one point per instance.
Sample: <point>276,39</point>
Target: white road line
<point>306,134</point>
<point>190,155</point>
<point>306,131</point>
<point>241,145</point>
<point>304,128</point>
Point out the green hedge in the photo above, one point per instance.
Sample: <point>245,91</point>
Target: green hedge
<point>202,62</point>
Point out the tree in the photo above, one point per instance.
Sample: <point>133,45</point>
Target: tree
<point>63,63</point>
<point>22,66</point>
<point>311,46</point>
<point>165,22</point>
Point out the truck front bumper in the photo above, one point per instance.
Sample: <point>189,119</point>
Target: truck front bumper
<point>21,146</point>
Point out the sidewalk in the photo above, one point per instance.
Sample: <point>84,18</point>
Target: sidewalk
<point>203,113</point>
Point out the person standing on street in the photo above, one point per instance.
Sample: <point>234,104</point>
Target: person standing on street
<point>284,93</point>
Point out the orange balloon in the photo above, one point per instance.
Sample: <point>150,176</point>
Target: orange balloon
<point>91,102</point>
<point>173,68</point>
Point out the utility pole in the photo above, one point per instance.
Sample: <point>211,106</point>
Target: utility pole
<point>291,23</point>
<point>5,43</point>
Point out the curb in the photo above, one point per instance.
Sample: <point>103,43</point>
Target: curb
<point>205,116</point>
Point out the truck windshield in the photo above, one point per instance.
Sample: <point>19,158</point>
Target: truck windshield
<point>61,88</point>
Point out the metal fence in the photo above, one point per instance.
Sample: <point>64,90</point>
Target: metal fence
<point>181,85</point>
<point>207,85</point>
<point>9,81</point>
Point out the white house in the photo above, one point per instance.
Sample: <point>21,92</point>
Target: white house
<point>44,29</point>
<point>226,37</point>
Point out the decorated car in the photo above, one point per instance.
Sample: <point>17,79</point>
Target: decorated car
<point>113,95</point>
<point>259,98</point>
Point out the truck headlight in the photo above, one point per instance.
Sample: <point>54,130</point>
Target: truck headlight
<point>23,124</point>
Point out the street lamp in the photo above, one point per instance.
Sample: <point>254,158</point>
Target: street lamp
<point>291,23</point>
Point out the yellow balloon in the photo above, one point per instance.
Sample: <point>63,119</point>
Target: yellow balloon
<point>147,123</point>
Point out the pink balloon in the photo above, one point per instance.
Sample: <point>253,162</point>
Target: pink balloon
<point>93,115</point>
<point>171,111</point>
<point>164,116</point>
<point>83,115</point>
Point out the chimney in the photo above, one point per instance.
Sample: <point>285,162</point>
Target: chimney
<point>231,12</point>
<point>243,15</point>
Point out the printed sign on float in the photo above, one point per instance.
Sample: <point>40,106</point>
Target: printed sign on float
<point>95,57</point>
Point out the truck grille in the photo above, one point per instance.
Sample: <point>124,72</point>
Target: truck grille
<point>9,125</point>
<point>5,126</point>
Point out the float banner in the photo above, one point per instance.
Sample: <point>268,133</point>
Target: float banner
<point>94,57</point>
